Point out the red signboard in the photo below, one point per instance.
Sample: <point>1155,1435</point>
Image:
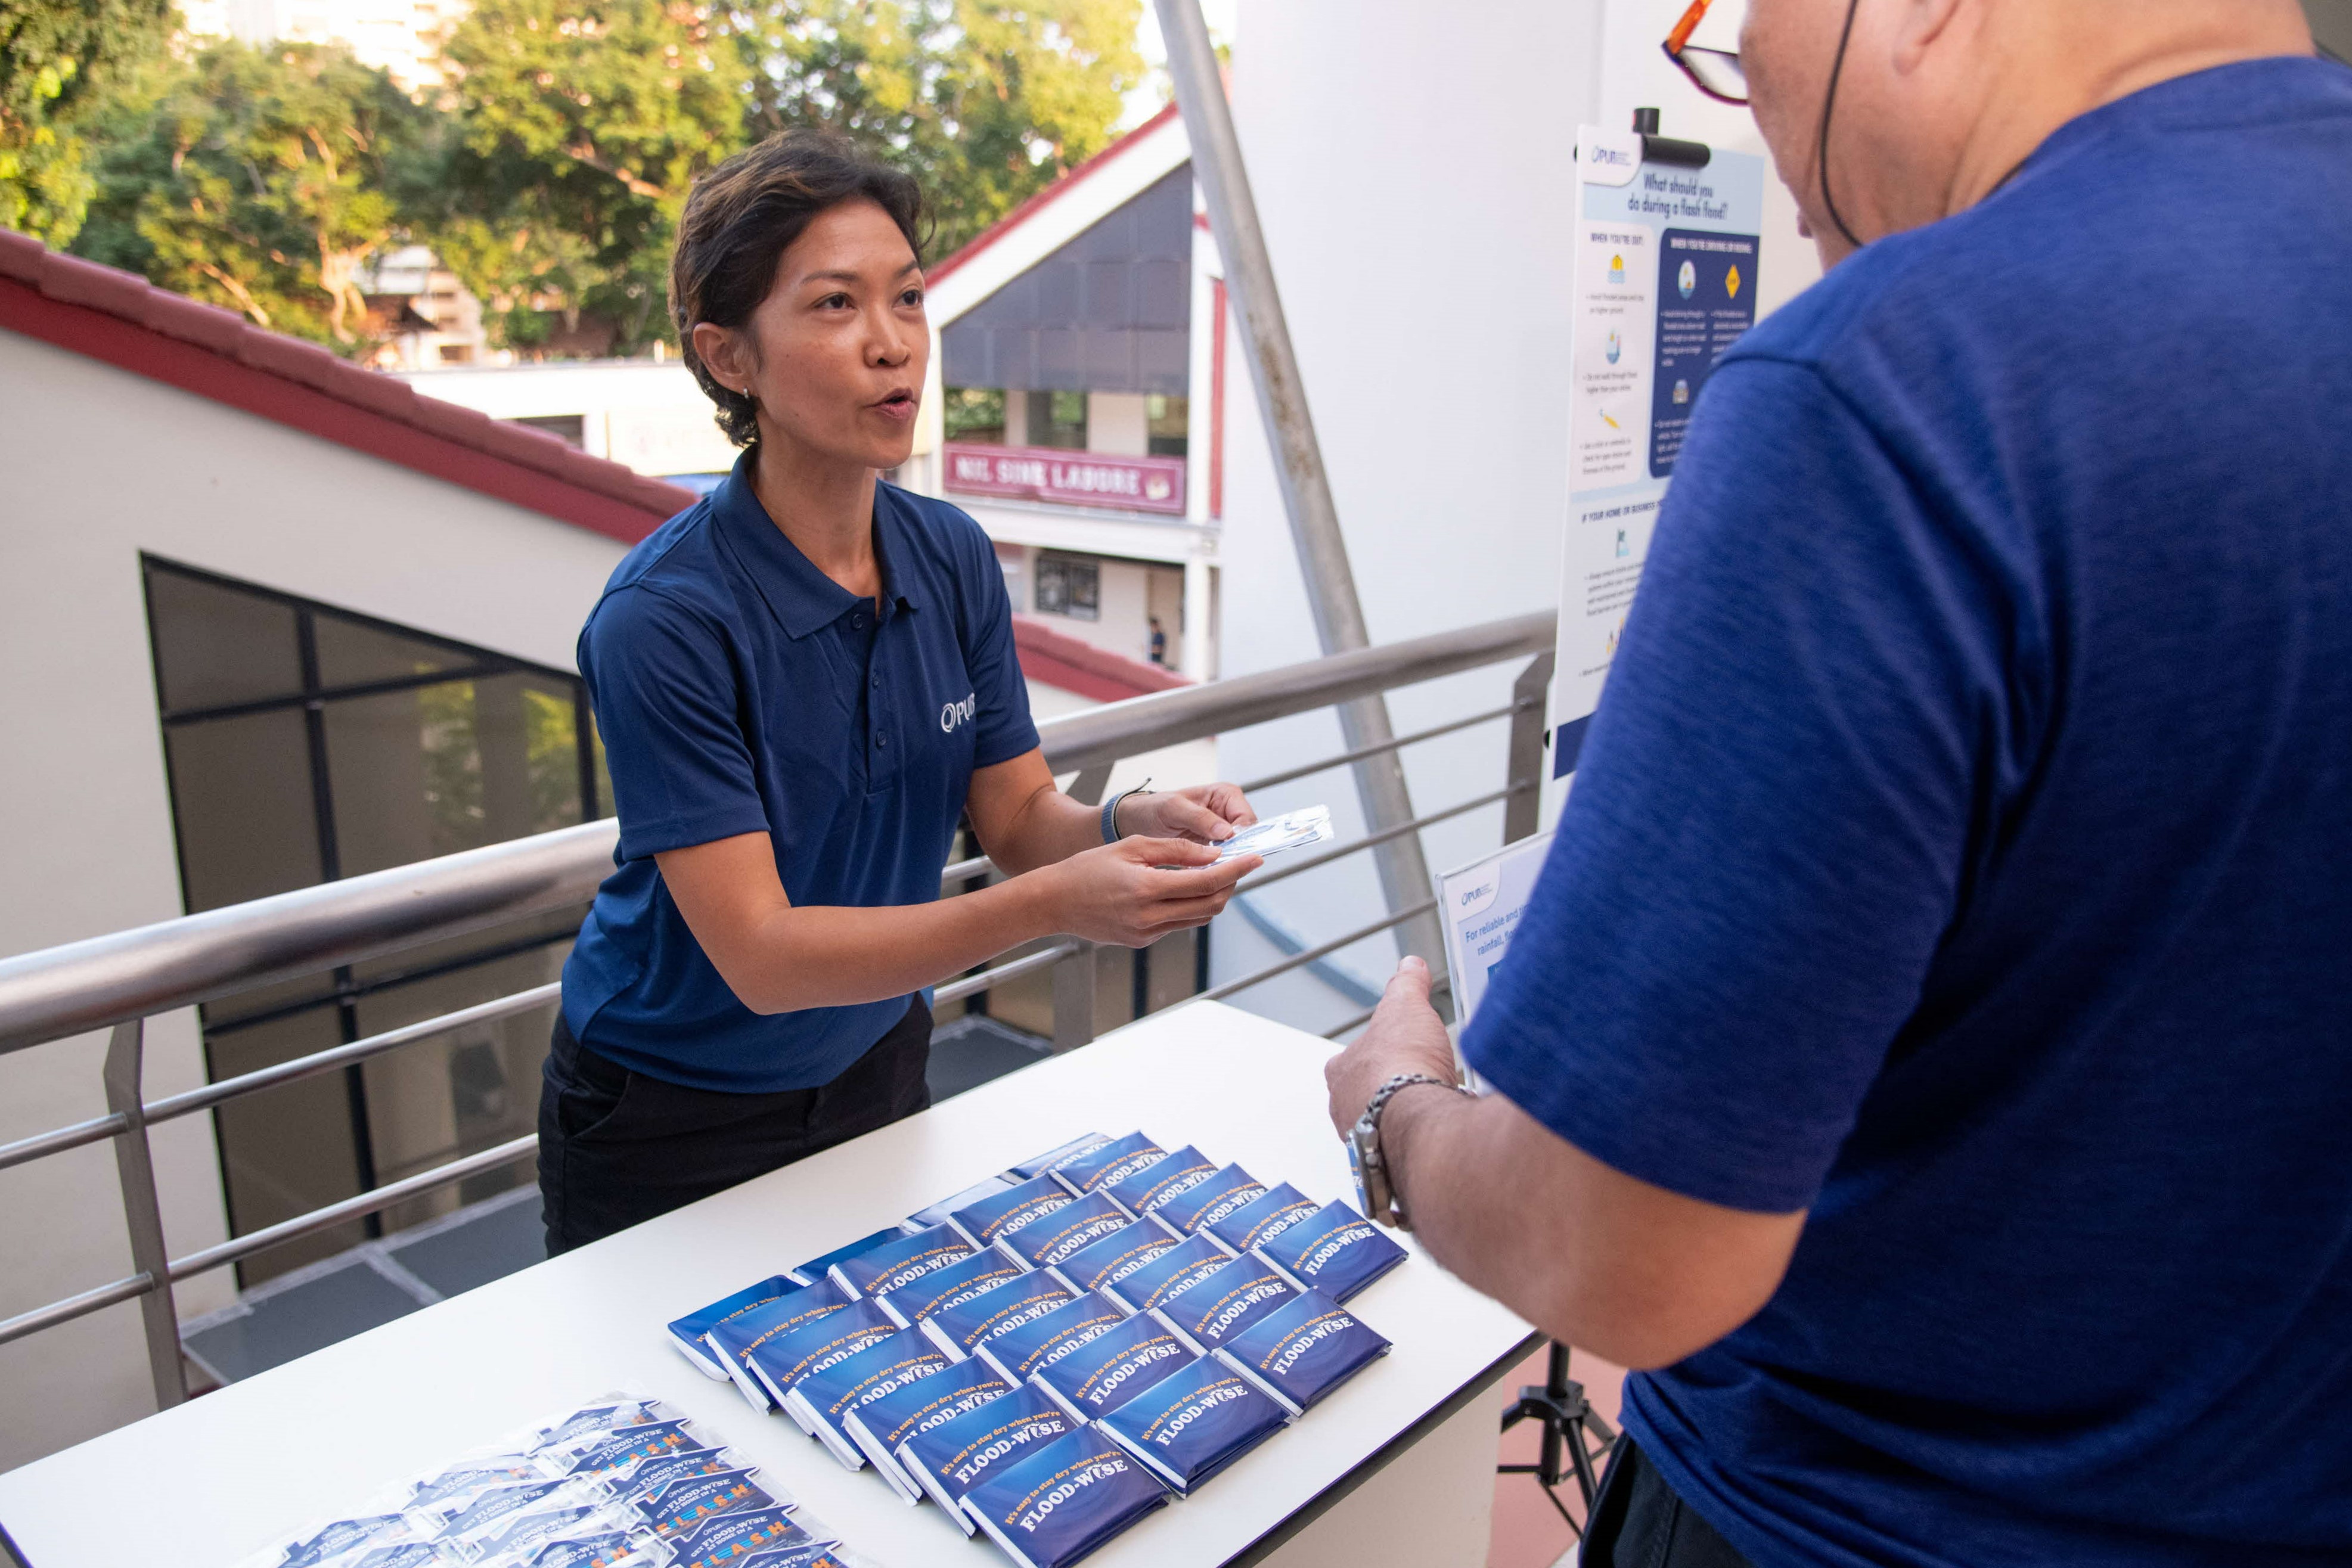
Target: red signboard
<point>1067,478</point>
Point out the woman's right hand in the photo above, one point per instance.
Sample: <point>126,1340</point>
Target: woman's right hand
<point>1136,891</point>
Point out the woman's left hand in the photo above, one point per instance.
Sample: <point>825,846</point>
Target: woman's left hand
<point>1205,813</point>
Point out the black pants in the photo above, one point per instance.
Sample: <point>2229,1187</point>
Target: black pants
<point>616,1147</point>
<point>1639,1522</point>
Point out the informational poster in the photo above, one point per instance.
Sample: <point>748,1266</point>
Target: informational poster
<point>1666,258</point>
<point>1482,902</point>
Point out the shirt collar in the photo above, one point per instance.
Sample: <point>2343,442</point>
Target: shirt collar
<point>800,597</point>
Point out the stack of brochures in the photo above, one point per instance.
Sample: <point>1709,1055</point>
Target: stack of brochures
<point>620,1482</point>
<point>1062,1347</point>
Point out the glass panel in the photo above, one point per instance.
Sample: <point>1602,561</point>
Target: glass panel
<point>451,767</point>
<point>560,925</point>
<point>1058,419</point>
<point>974,414</point>
<point>288,1150</point>
<point>351,654</point>
<point>460,1092</point>
<point>241,798</point>
<point>605,807</point>
<point>217,645</point>
<point>1067,587</point>
<point>1170,424</point>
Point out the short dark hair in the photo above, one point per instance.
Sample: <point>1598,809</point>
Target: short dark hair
<point>742,216</point>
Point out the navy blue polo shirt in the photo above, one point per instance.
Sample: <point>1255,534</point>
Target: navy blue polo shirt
<point>1963,852</point>
<point>740,690</point>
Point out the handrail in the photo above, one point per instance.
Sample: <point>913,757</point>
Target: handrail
<point>152,970</point>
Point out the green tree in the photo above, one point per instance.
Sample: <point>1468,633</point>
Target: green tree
<point>57,58</point>
<point>985,101</point>
<point>581,125</point>
<point>261,179</point>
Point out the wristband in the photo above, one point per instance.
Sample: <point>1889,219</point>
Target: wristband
<point>1110,810</point>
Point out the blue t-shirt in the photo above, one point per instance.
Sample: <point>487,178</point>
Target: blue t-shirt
<point>1963,851</point>
<point>740,690</point>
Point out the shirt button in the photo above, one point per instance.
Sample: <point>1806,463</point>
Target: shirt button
<point>881,740</point>
<point>877,683</point>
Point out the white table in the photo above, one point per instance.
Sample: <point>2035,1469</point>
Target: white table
<point>219,1475</point>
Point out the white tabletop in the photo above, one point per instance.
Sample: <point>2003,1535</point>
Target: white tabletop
<point>205,1483</point>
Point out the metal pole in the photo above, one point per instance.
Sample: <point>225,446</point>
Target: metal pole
<point>1298,459</point>
<point>1523,767</point>
<point>125,1054</point>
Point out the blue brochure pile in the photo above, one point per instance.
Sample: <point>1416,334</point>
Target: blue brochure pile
<point>1047,1356</point>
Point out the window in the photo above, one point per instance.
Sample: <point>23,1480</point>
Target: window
<point>1068,586</point>
<point>570,428</point>
<point>1167,422</point>
<point>1057,419</point>
<point>974,414</point>
<point>305,743</point>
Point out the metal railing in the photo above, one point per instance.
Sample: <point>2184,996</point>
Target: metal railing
<point>118,982</point>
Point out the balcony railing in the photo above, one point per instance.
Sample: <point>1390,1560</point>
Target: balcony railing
<point>118,982</point>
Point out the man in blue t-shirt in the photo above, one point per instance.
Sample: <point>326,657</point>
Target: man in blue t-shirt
<point>1929,1053</point>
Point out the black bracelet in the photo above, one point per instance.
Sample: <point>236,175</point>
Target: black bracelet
<point>1110,810</point>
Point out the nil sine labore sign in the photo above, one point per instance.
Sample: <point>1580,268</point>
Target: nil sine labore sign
<point>1067,478</point>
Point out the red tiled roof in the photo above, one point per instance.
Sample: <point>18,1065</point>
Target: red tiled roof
<point>1029,208</point>
<point>1057,659</point>
<point>124,320</point>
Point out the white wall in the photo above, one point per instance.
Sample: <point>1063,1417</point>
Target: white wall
<point>651,416</point>
<point>1413,167</point>
<point>103,465</point>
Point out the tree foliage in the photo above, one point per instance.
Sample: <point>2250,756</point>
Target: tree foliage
<point>261,179</point>
<point>58,58</point>
<point>581,125</point>
<point>550,173</point>
<point>985,101</point>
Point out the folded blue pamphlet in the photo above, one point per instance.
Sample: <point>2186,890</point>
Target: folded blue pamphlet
<point>614,1450</point>
<point>902,1261</point>
<point>1336,1252</point>
<point>738,1340</point>
<point>1272,1213</point>
<point>686,1333</point>
<point>879,1428</point>
<point>1302,1352</point>
<point>1055,1158</point>
<point>951,1286</point>
<point>952,1458</point>
<point>1115,1257</point>
<point>816,1554</point>
<point>1001,1214</point>
<point>1183,1265</point>
<point>1189,1426</point>
<point>1108,1163</point>
<point>937,1214</point>
<point>1079,1223</point>
<point>1221,1303</point>
<point>811,1347</point>
<point>1018,1352</point>
<point>816,1268</point>
<point>1225,1193</point>
<point>1064,1501</point>
<point>961,1328</point>
<point>1162,1181</point>
<point>820,1400</point>
<point>1098,1376</point>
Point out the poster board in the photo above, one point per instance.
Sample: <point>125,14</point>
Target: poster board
<point>1666,264</point>
<point>1482,903</point>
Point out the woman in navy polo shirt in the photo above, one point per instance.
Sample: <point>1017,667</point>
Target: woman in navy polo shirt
<point>803,681</point>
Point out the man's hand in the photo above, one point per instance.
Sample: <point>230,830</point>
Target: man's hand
<point>1405,1035</point>
<point>1204,813</point>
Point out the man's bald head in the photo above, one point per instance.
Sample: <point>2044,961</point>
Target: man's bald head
<point>1937,100</point>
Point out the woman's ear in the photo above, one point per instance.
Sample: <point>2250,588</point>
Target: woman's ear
<point>726,353</point>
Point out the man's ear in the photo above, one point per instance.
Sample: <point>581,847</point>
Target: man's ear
<point>726,353</point>
<point>1921,25</point>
